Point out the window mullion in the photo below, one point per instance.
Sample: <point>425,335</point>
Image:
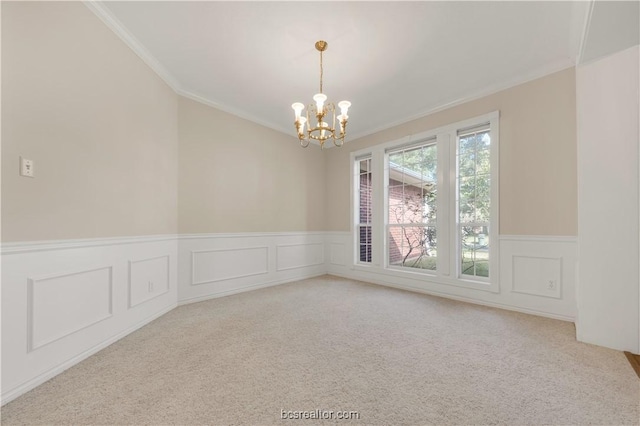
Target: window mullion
<point>494,248</point>
<point>378,206</point>
<point>454,214</point>
<point>443,219</point>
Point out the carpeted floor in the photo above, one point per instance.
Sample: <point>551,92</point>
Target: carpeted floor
<point>394,357</point>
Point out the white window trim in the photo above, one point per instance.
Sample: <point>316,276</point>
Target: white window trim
<point>447,223</point>
<point>355,207</point>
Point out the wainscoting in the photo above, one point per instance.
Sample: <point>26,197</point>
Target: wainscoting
<point>63,301</point>
<point>537,275</point>
<point>214,265</point>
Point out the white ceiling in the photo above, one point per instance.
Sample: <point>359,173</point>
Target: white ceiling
<point>393,60</point>
<point>613,26</point>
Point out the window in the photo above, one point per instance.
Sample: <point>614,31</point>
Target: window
<point>473,184</point>
<point>411,201</point>
<point>428,205</point>
<point>364,209</point>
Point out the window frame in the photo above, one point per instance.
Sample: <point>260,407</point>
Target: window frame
<point>433,141</point>
<point>447,269</point>
<point>357,201</point>
<point>460,224</point>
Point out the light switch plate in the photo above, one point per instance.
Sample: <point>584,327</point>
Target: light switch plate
<point>26,167</point>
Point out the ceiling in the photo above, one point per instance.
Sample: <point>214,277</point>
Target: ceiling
<point>393,60</point>
<point>613,26</point>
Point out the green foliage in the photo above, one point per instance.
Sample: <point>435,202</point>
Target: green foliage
<point>475,268</point>
<point>418,204</point>
<point>419,165</point>
<point>474,185</point>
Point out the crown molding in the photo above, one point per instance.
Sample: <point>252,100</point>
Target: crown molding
<point>114,24</point>
<point>98,8</point>
<point>490,90</point>
<point>585,31</point>
<point>234,111</point>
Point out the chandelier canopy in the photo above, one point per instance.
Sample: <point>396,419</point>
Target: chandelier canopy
<point>321,130</point>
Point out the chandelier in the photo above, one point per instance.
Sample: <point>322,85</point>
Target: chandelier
<point>321,130</point>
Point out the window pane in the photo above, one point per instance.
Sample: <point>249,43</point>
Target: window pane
<point>365,165</point>
<point>413,247</point>
<point>430,203</point>
<point>364,209</point>
<point>412,201</point>
<point>396,159</point>
<point>467,198</point>
<point>467,164</point>
<point>467,144</point>
<point>474,246</point>
<point>483,157</point>
<point>365,181</point>
<point>365,206</point>
<point>365,234</point>
<point>364,243</point>
<point>474,203</point>
<point>483,199</point>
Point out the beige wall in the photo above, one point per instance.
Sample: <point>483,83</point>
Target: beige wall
<point>238,176</point>
<point>103,130</point>
<point>538,183</point>
<point>100,126</point>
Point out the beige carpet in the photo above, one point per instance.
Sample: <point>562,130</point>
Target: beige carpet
<point>395,357</point>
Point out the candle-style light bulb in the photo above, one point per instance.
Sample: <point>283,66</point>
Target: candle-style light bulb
<point>320,98</point>
<point>297,107</point>
<point>344,108</point>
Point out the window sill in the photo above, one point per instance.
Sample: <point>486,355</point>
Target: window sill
<point>488,286</point>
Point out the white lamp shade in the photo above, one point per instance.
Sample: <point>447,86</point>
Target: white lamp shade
<point>320,98</point>
<point>297,107</point>
<point>344,107</point>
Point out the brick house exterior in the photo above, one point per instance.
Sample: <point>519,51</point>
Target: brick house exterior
<point>401,199</point>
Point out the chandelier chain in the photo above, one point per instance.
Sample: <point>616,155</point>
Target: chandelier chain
<point>321,71</point>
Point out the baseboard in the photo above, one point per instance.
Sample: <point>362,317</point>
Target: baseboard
<point>536,274</point>
<point>36,381</point>
<point>460,298</point>
<point>245,289</point>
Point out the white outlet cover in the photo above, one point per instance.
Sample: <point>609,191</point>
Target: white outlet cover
<point>26,167</point>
